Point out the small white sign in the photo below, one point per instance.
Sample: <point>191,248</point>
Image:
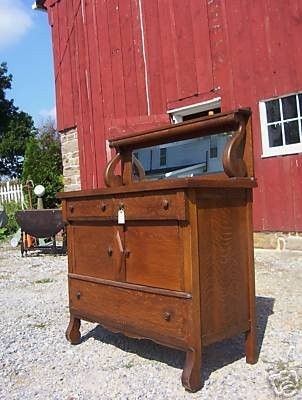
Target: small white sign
<point>121,216</point>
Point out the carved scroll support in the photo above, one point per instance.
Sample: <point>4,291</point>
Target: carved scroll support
<point>112,180</point>
<point>233,163</point>
<point>139,168</point>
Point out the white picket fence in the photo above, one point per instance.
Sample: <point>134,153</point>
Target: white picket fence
<point>11,191</point>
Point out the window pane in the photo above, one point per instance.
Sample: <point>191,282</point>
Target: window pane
<point>300,102</point>
<point>289,107</point>
<point>273,111</point>
<point>291,130</point>
<point>275,135</point>
<point>163,156</point>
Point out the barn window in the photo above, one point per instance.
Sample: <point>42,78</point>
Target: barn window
<point>195,110</point>
<point>162,156</point>
<point>281,120</point>
<point>213,147</point>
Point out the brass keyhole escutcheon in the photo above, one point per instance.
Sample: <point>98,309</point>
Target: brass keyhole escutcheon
<point>103,207</point>
<point>109,251</point>
<point>78,295</point>
<point>167,316</point>
<point>165,204</point>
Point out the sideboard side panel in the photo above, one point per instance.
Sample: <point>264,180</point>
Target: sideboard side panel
<point>223,252</point>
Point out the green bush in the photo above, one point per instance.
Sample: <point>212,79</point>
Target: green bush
<point>11,227</point>
<point>43,164</point>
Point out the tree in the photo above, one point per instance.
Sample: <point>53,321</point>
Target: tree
<point>16,127</point>
<point>43,162</point>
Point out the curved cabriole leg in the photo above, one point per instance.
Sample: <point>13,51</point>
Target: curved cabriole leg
<point>191,378</point>
<point>73,334</point>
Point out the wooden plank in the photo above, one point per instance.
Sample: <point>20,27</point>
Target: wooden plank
<point>128,58</point>
<point>153,48</point>
<point>296,179</point>
<point>116,58</point>
<point>220,50</point>
<point>95,94</point>
<point>105,62</point>
<point>81,82</point>
<point>280,49</point>
<point>275,197</point>
<point>168,50</point>
<point>72,10</point>
<point>185,60</point>
<point>201,42</point>
<point>66,81</point>
<point>241,60</point>
<point>56,54</point>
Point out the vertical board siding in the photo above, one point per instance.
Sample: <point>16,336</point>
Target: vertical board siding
<point>128,58</point>
<point>116,59</point>
<point>185,51</point>
<point>219,42</point>
<point>201,43</point>
<point>94,91</point>
<point>139,59</point>
<point>263,45</point>
<point>151,26</point>
<point>105,60</point>
<point>195,50</point>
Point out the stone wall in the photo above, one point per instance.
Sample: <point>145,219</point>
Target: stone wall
<point>71,161</point>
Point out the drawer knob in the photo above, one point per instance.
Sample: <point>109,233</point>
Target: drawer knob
<point>121,205</point>
<point>165,204</point>
<point>167,316</point>
<point>78,295</point>
<point>103,207</point>
<point>71,209</point>
<point>109,251</point>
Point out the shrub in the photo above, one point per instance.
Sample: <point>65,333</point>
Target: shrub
<point>43,164</point>
<point>11,227</point>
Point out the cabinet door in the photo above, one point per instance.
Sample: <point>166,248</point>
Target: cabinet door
<point>97,250</point>
<point>154,254</point>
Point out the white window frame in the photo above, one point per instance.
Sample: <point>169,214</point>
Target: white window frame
<point>285,149</point>
<point>177,114</point>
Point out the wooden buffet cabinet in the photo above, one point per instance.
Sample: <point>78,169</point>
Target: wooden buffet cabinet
<point>167,260</point>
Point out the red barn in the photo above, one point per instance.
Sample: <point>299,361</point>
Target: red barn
<point>128,65</point>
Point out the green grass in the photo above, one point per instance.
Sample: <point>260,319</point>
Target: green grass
<point>45,280</point>
<point>40,326</point>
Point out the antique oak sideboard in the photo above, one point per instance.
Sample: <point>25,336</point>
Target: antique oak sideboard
<point>170,260</point>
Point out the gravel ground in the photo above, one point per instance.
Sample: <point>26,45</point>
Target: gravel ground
<point>36,362</point>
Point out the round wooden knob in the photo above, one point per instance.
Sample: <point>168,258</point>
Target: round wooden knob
<point>71,209</point>
<point>165,204</point>
<point>167,316</point>
<point>103,207</point>
<point>109,251</point>
<point>121,205</point>
<point>78,295</point>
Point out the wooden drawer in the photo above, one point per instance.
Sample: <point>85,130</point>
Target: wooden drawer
<point>82,208</point>
<point>159,206</point>
<point>131,311</point>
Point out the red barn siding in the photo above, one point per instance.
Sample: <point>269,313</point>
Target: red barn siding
<point>121,64</point>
